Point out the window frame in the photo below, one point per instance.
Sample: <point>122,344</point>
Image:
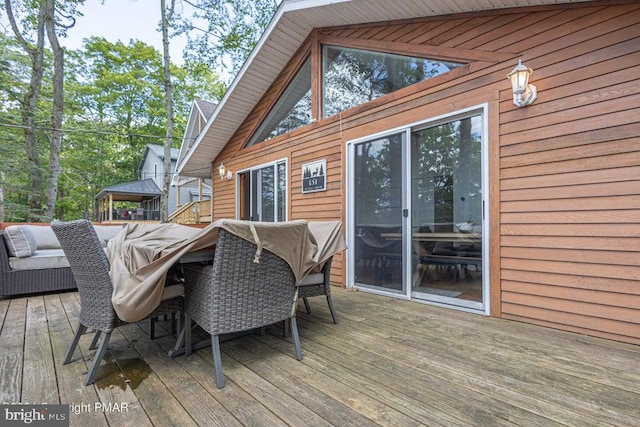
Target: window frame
<point>378,51</point>
<point>280,99</point>
<point>276,205</point>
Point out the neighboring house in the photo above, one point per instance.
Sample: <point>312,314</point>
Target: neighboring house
<point>146,192</point>
<point>397,118</point>
<point>193,189</point>
<point>152,167</point>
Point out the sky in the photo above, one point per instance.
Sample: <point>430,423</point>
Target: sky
<point>122,20</point>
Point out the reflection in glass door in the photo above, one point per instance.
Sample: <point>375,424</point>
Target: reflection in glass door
<point>447,212</point>
<point>262,193</point>
<point>377,217</point>
<point>416,215</point>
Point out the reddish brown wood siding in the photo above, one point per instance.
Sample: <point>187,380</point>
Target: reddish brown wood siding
<point>570,188</point>
<point>565,171</point>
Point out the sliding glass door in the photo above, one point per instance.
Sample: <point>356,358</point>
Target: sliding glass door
<point>447,212</point>
<point>417,212</point>
<point>377,221</point>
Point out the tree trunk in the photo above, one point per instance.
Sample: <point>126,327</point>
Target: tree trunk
<point>168,92</point>
<point>2,214</point>
<point>51,193</point>
<point>28,108</point>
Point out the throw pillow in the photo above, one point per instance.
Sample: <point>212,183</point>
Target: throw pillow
<point>20,241</point>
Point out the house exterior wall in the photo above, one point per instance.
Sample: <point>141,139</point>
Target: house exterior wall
<point>564,172</point>
<point>157,174</point>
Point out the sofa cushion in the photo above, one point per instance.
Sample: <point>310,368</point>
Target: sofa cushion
<point>20,241</point>
<point>45,237</point>
<point>40,260</point>
<point>107,232</point>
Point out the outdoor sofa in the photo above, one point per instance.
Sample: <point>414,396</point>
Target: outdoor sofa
<point>32,260</point>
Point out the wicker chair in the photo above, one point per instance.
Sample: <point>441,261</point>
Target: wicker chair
<point>235,294</point>
<point>90,268</point>
<point>317,284</point>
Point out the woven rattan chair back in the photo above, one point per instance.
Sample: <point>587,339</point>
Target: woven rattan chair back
<point>236,294</point>
<point>90,268</point>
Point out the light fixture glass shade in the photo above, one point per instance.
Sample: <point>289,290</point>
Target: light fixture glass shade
<point>221,169</point>
<point>519,77</point>
<point>523,92</point>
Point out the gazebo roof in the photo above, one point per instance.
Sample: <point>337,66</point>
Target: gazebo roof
<point>134,191</point>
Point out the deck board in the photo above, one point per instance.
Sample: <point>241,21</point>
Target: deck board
<point>388,362</point>
<point>11,351</point>
<point>38,358</point>
<point>69,387</point>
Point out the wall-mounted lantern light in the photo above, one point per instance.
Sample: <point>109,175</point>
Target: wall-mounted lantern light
<point>523,93</point>
<point>224,173</point>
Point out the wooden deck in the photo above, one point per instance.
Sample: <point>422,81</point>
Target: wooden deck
<point>388,362</point>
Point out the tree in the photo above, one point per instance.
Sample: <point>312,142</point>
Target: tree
<point>36,18</point>
<point>51,193</point>
<point>120,87</point>
<point>115,103</point>
<point>29,102</point>
<point>231,30</point>
<point>14,63</point>
<point>167,16</point>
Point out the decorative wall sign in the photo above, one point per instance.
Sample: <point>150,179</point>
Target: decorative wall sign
<point>314,176</point>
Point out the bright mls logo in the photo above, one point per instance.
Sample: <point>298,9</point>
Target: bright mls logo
<point>314,176</point>
<point>35,415</point>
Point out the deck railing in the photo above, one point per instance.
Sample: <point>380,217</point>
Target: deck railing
<point>192,213</point>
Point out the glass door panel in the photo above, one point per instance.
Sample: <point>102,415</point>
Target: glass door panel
<point>447,212</point>
<point>266,194</point>
<point>378,221</point>
<point>263,193</point>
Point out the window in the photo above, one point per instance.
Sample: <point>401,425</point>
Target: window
<point>292,110</point>
<point>352,76</point>
<point>263,193</point>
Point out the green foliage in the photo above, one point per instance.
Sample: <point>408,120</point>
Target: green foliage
<point>230,31</point>
<point>15,69</point>
<point>114,107</point>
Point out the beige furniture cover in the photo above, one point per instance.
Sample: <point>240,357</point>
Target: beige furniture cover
<point>140,255</point>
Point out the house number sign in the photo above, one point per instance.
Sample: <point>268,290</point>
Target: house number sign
<point>314,176</point>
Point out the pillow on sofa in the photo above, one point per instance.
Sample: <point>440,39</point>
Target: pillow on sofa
<point>20,241</point>
<point>45,237</point>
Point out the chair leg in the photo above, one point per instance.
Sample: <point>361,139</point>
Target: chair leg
<point>94,342</point>
<point>152,328</point>
<point>286,329</point>
<point>79,331</point>
<point>306,305</point>
<point>332,310</point>
<point>217,360</point>
<point>296,338</point>
<point>187,335</point>
<point>95,365</point>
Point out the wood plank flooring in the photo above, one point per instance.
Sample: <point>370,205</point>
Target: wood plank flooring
<point>388,362</point>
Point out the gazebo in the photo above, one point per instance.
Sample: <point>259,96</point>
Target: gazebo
<point>144,193</point>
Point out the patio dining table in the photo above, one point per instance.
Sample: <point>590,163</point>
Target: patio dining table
<point>141,255</point>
